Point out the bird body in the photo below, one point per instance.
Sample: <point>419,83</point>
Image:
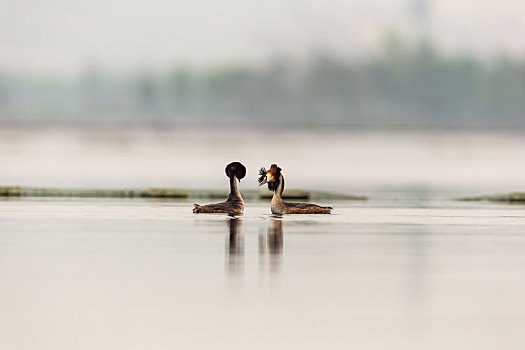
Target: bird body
<point>234,204</point>
<point>275,180</point>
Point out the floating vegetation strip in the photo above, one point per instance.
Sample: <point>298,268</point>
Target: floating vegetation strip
<point>21,191</point>
<point>514,197</point>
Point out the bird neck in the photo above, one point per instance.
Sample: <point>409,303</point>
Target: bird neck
<point>280,188</point>
<point>234,190</point>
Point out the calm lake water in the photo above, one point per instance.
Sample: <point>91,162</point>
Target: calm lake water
<point>407,269</point>
<point>378,274</point>
<point>400,163</point>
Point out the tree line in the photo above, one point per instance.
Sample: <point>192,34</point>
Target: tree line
<point>403,85</point>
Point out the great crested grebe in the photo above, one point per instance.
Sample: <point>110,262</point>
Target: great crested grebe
<point>234,205</point>
<point>275,181</point>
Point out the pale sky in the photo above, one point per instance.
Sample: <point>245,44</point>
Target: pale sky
<point>64,36</point>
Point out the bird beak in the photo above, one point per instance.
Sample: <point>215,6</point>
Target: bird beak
<point>264,181</point>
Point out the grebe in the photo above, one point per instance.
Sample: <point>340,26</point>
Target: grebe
<point>234,205</point>
<point>275,181</point>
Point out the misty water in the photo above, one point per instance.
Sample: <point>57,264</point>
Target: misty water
<point>409,268</point>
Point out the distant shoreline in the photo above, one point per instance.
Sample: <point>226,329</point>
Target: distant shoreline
<point>23,191</point>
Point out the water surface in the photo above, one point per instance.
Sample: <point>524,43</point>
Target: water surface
<point>399,163</point>
<point>133,274</point>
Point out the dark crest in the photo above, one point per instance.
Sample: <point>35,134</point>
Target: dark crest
<point>262,174</point>
<point>237,169</point>
<point>275,170</point>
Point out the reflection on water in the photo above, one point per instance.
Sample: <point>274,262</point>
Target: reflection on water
<point>271,246</point>
<point>235,247</point>
<point>107,274</point>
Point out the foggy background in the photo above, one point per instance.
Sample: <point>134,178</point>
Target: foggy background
<point>408,95</point>
<point>355,63</point>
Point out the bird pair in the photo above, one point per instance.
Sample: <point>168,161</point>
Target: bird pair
<point>234,205</point>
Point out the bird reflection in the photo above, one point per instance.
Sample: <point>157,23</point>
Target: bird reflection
<point>235,247</point>
<point>271,246</point>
